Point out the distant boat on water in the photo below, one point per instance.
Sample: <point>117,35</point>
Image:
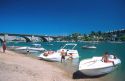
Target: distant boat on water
<point>89,47</point>
<point>50,44</point>
<point>118,42</point>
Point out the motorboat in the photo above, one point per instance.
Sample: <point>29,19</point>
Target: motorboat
<point>50,44</point>
<point>56,55</point>
<point>33,48</point>
<point>116,42</point>
<point>37,47</point>
<point>89,47</point>
<point>95,66</point>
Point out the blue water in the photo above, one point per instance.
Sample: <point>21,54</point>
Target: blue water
<point>117,49</point>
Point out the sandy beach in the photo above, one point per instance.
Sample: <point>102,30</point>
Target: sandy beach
<point>19,67</point>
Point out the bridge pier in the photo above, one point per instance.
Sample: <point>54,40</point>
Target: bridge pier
<point>5,37</point>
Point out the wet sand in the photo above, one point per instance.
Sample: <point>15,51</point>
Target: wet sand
<point>19,67</point>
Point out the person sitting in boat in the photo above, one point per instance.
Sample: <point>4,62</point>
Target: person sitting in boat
<point>50,52</point>
<point>46,53</point>
<point>105,58</point>
<point>62,55</point>
<point>70,55</point>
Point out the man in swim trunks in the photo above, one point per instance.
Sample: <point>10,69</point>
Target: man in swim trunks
<point>62,55</point>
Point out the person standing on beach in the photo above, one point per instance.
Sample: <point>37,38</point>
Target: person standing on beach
<point>62,56</point>
<point>4,46</point>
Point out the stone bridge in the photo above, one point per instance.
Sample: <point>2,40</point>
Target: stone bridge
<point>26,37</point>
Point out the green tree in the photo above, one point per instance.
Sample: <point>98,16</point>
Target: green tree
<point>122,38</point>
<point>75,36</point>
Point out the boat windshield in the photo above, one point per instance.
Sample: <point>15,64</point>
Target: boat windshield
<point>69,46</point>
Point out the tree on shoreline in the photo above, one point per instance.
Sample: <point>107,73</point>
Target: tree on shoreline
<point>100,36</point>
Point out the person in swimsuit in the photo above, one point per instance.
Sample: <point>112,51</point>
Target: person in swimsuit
<point>62,55</point>
<point>4,46</point>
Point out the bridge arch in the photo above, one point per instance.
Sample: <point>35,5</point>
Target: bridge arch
<point>27,39</point>
<point>43,39</point>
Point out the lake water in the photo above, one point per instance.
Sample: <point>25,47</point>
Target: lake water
<point>117,49</point>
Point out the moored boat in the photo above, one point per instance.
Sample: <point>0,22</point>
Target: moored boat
<point>56,55</point>
<point>95,66</point>
<point>33,48</point>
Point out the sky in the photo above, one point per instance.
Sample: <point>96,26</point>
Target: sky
<point>61,17</point>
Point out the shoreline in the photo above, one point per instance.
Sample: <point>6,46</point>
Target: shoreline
<point>26,68</point>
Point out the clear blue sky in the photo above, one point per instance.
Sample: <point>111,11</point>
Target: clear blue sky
<point>60,17</point>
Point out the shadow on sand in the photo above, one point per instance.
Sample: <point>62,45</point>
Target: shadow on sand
<point>80,75</point>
